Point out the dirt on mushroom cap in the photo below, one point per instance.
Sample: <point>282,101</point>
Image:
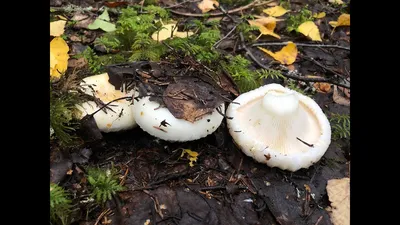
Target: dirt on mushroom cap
<point>186,90</point>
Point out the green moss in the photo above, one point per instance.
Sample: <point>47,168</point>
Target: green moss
<point>62,111</point>
<point>60,205</point>
<point>104,184</point>
<point>295,20</point>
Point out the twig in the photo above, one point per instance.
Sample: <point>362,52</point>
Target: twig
<point>104,213</point>
<point>253,4</point>
<point>344,84</point>
<point>319,220</point>
<point>323,67</point>
<point>179,4</point>
<point>300,44</point>
<point>226,36</point>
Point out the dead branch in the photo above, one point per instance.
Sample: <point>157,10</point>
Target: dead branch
<point>294,76</point>
<point>300,44</point>
<point>253,4</point>
<point>180,4</point>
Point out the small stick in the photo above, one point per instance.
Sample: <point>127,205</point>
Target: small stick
<point>309,145</point>
<point>300,44</point>
<point>226,36</point>
<point>253,4</point>
<point>180,4</point>
<point>344,84</point>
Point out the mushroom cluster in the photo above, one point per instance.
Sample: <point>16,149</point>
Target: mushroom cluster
<point>126,114</point>
<point>279,127</point>
<point>118,115</point>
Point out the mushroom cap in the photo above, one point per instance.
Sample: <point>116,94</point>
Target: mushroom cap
<point>276,126</point>
<point>159,122</point>
<point>118,115</point>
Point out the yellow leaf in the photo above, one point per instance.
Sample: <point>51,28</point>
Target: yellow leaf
<point>266,26</point>
<point>287,55</point>
<point>310,29</point>
<point>319,15</point>
<point>62,17</point>
<point>275,11</point>
<point>192,155</point>
<point>207,5</point>
<point>165,33</point>
<point>58,57</point>
<point>57,28</point>
<point>343,20</point>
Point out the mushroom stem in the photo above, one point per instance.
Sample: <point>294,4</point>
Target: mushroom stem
<point>281,104</point>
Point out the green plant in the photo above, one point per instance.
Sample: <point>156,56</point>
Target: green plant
<point>245,78</point>
<point>109,41</point>
<point>340,126</point>
<point>270,73</point>
<point>62,111</point>
<point>295,20</point>
<point>145,48</point>
<point>60,205</point>
<point>104,184</point>
<point>292,84</point>
<point>93,60</point>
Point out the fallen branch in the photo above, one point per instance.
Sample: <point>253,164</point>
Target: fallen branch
<point>324,67</point>
<point>180,4</point>
<point>294,76</point>
<point>300,44</point>
<point>253,4</point>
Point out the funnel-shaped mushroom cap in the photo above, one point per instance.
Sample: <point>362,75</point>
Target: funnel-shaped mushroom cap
<point>115,117</point>
<point>279,127</point>
<point>159,122</point>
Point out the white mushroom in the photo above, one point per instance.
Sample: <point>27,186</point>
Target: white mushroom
<point>279,127</point>
<point>159,122</point>
<point>118,115</point>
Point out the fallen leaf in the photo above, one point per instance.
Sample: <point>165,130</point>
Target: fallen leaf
<point>275,11</point>
<point>58,57</point>
<point>207,5</point>
<point>343,20</point>
<point>266,26</point>
<point>57,28</point>
<point>291,67</point>
<point>77,63</point>
<point>310,30</point>
<point>339,2</point>
<point>82,20</point>
<point>165,32</point>
<point>322,87</point>
<point>115,4</point>
<point>287,55</point>
<point>319,15</point>
<point>102,23</point>
<point>61,17</point>
<point>339,195</point>
<point>340,99</point>
<point>345,91</point>
<point>69,172</point>
<point>192,155</point>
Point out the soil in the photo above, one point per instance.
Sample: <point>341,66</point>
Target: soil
<point>224,186</point>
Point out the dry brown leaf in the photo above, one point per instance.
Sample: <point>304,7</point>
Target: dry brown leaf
<point>338,98</point>
<point>82,20</point>
<point>339,195</point>
<point>77,63</point>
<point>207,5</point>
<point>322,87</point>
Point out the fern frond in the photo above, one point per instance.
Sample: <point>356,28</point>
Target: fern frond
<point>60,204</point>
